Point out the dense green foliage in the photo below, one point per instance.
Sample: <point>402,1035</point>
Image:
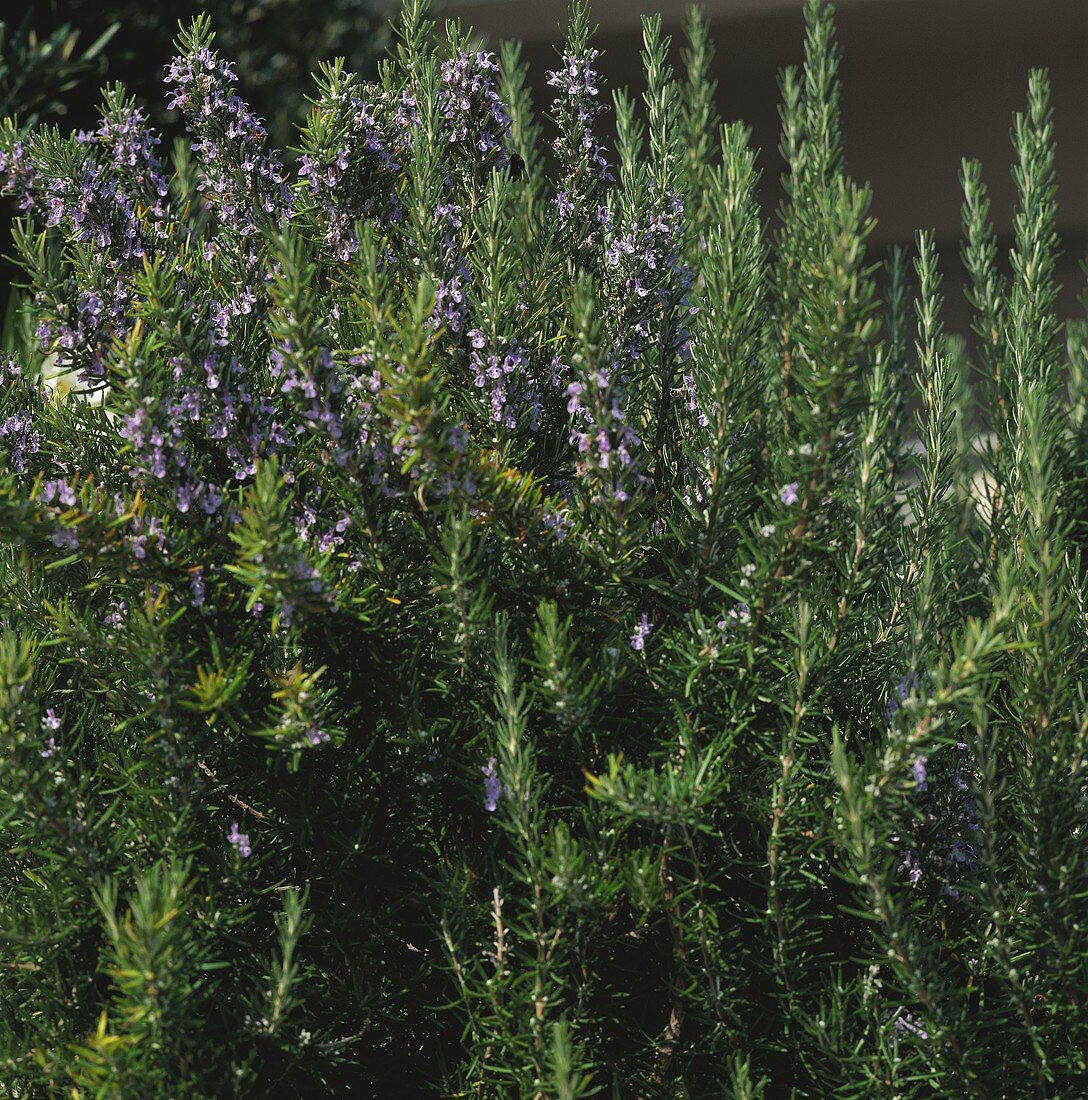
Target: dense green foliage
<point>482,620</point>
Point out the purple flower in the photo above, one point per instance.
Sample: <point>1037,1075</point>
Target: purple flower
<point>739,614</point>
<point>317,736</point>
<point>574,392</point>
<point>601,433</point>
<point>59,488</point>
<point>906,1023</point>
<point>913,867</point>
<point>196,588</point>
<point>240,841</point>
<point>450,307</point>
<point>18,174</point>
<point>558,523</point>
<point>918,770</point>
<point>476,121</point>
<point>51,722</point>
<point>901,693</point>
<point>788,493</point>
<point>115,616</point>
<point>642,632</point>
<point>90,304</point>
<point>492,785</point>
<point>64,538</point>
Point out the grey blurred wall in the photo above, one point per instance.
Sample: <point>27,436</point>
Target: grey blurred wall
<point>925,83</point>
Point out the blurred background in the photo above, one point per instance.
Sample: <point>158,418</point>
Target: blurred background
<point>925,82</point>
<point>56,54</point>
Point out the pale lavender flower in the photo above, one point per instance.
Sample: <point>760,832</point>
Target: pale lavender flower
<point>64,538</point>
<point>50,722</point>
<point>450,307</point>
<point>240,841</point>
<point>492,785</point>
<point>739,614</point>
<point>788,493</point>
<point>918,770</point>
<point>60,489</point>
<point>912,866</point>
<point>642,632</point>
<point>906,1023</point>
<point>115,616</point>
<point>315,735</point>
<point>558,523</point>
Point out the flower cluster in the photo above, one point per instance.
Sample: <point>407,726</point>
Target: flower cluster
<point>316,394</point>
<point>582,158</point>
<point>944,841</point>
<point>107,190</point>
<point>21,438</point>
<point>451,302</point>
<point>244,179</point>
<point>18,172</point>
<point>602,433</point>
<point>504,379</point>
<point>92,207</point>
<point>649,284</point>
<point>652,284</point>
<point>131,147</point>
<point>350,167</point>
<point>475,119</point>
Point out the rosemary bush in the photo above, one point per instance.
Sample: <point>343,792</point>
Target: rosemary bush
<point>483,620</point>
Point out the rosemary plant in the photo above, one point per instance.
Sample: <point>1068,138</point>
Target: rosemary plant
<point>488,613</point>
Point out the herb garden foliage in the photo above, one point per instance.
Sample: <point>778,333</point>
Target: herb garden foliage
<point>485,630</point>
